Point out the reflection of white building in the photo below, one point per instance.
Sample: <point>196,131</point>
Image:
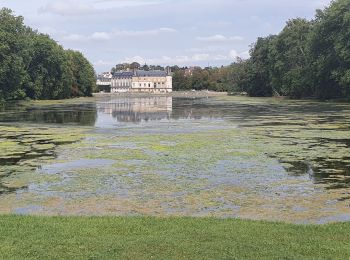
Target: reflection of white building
<point>137,109</point>
<point>157,81</point>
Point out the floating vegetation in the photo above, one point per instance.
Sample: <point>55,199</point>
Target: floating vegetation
<point>23,149</point>
<point>223,157</point>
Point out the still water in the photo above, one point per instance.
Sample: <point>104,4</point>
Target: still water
<point>177,156</point>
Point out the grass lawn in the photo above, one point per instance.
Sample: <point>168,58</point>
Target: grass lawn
<point>167,238</point>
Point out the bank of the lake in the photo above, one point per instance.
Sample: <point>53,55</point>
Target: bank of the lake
<point>168,238</point>
<point>174,94</point>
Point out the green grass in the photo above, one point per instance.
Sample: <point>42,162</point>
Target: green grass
<point>167,238</point>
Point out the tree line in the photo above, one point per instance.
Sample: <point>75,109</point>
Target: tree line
<point>34,66</point>
<point>187,78</point>
<point>307,59</point>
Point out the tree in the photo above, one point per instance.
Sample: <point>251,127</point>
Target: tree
<point>32,65</point>
<point>290,75</point>
<point>14,55</point>
<point>330,50</point>
<point>257,71</point>
<point>83,74</point>
<point>48,70</point>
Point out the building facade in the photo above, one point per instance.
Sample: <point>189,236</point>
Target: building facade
<point>152,82</point>
<point>104,79</point>
<point>156,81</point>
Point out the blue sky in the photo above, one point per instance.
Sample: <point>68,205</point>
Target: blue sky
<point>166,32</point>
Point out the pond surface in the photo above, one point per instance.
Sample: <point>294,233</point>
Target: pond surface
<point>167,156</point>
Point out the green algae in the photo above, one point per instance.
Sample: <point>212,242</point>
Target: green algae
<point>266,160</point>
<point>22,151</point>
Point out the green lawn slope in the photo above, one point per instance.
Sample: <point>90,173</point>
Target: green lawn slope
<point>167,238</point>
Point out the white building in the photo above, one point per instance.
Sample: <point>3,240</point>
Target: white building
<point>157,81</point>
<point>121,82</point>
<point>104,79</point>
<point>152,81</point>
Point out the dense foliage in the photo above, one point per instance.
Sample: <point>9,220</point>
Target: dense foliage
<point>307,59</point>
<point>34,66</point>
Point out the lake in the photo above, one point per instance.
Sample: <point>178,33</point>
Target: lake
<point>222,156</point>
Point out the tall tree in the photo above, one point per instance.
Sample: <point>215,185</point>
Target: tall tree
<point>83,74</point>
<point>14,55</point>
<point>290,75</point>
<point>330,49</point>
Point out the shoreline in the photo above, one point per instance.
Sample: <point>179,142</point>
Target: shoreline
<point>172,94</point>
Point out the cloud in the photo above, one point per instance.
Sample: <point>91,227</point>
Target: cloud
<point>104,63</point>
<point>231,56</point>
<point>68,8</point>
<point>106,36</point>
<point>106,4</point>
<point>245,54</point>
<point>74,37</point>
<point>201,57</point>
<point>219,38</point>
<point>144,32</point>
<point>101,36</point>
<point>79,7</point>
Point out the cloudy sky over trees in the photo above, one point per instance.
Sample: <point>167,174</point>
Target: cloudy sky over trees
<point>166,32</point>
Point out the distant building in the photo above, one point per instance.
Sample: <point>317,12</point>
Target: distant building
<point>104,79</point>
<point>155,81</point>
<point>121,82</point>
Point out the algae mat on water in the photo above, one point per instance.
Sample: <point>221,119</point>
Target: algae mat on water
<point>232,157</point>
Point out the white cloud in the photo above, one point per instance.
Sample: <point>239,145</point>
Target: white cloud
<point>189,59</point>
<point>107,4</point>
<point>167,29</point>
<point>233,54</point>
<point>219,57</point>
<point>106,36</point>
<point>144,32</point>
<point>219,38</point>
<point>101,36</point>
<point>104,63</point>
<point>201,57</point>
<point>245,54</point>
<point>74,38</point>
<point>68,8</point>
<point>79,7</point>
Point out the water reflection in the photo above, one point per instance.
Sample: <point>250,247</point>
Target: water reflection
<point>133,110</point>
<point>77,114</point>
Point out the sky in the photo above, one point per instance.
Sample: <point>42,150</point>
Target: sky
<point>165,32</point>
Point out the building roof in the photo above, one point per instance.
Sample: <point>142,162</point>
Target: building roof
<point>139,73</point>
<point>102,78</point>
<point>152,73</point>
<point>123,74</point>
